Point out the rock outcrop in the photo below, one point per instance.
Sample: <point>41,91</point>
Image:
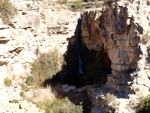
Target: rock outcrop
<point>121,31</point>
<point>37,27</point>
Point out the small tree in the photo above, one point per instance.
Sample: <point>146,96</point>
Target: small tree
<point>7,10</point>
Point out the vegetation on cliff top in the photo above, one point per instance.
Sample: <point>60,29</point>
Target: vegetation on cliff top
<point>7,11</point>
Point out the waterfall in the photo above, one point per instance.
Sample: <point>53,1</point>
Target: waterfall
<point>79,60</point>
<point>78,41</point>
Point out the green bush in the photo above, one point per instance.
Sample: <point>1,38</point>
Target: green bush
<point>78,5</point>
<point>7,82</point>
<point>21,93</point>
<point>46,65</point>
<point>144,106</point>
<point>60,106</point>
<point>28,80</point>
<point>7,10</point>
<point>147,103</point>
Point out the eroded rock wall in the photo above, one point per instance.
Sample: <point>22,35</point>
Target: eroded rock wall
<point>37,25</point>
<point>119,29</point>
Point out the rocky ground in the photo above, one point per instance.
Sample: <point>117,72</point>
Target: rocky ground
<point>12,102</point>
<point>119,29</point>
<point>36,28</point>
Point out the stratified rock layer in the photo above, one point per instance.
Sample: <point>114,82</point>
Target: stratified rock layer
<point>121,31</point>
<point>37,27</point>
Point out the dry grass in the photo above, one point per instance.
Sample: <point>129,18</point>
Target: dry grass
<point>46,100</point>
<point>45,94</point>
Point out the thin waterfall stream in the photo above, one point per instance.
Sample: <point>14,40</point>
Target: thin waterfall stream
<point>80,71</point>
<point>79,61</point>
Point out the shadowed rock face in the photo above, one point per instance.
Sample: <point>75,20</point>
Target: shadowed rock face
<point>112,32</point>
<point>119,31</point>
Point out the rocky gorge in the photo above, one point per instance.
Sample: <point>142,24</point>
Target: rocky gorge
<point>119,30</point>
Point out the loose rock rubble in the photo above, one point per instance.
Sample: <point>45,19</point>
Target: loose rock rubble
<point>12,102</point>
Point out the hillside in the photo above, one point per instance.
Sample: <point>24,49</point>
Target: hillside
<point>95,53</point>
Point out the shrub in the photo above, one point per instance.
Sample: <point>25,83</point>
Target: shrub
<point>147,103</point>
<point>60,106</point>
<point>14,101</point>
<point>46,65</point>
<point>65,106</point>
<point>144,106</point>
<point>64,2</point>
<point>7,10</point>
<point>24,87</point>
<point>47,101</point>
<point>21,93</point>
<point>28,80</point>
<point>7,82</point>
<point>78,5</point>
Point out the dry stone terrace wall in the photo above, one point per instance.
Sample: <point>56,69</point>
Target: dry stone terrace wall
<point>119,29</point>
<point>36,25</point>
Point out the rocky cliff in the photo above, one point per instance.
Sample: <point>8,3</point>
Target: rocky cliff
<point>37,27</point>
<point>122,30</point>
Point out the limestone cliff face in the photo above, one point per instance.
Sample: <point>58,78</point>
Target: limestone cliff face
<point>36,25</point>
<point>120,31</point>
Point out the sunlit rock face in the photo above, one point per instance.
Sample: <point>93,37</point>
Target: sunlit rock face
<point>36,28</point>
<point>122,30</point>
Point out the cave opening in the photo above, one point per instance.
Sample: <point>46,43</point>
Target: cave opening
<point>96,65</point>
<point>82,67</point>
<point>94,69</point>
